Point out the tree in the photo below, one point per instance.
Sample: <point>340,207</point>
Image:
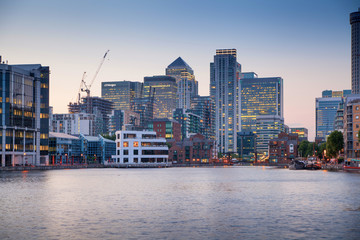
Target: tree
<point>334,143</point>
<point>110,137</point>
<point>303,148</point>
<point>322,147</point>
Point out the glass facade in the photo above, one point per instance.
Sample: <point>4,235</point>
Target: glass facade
<point>225,91</point>
<point>165,89</point>
<point>355,46</point>
<point>260,96</point>
<point>326,109</point>
<point>205,107</point>
<point>122,93</point>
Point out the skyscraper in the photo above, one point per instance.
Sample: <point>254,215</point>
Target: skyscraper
<point>260,96</point>
<point>326,110</point>
<point>164,88</point>
<point>225,90</point>
<point>187,86</point>
<point>355,52</point>
<point>122,93</point>
<point>204,106</point>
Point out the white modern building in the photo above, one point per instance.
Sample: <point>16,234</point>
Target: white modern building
<point>140,147</point>
<point>74,123</point>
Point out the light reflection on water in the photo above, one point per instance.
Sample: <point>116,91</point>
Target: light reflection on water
<point>179,203</point>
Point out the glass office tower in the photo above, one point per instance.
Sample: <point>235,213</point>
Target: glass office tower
<point>225,90</point>
<point>355,54</point>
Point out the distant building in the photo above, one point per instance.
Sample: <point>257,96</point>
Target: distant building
<point>352,127</point>
<point>225,90</point>
<point>204,107</point>
<point>145,107</point>
<point>24,114</point>
<point>246,145</point>
<point>100,107</point>
<point>194,150</point>
<point>166,128</point>
<point>120,118</point>
<point>97,149</point>
<point>122,93</point>
<point>165,89</point>
<point>326,110</point>
<point>260,96</point>
<point>301,132</point>
<point>139,147</point>
<point>187,86</point>
<point>190,122</point>
<point>355,46</point>
<point>267,127</point>
<point>74,123</point>
<point>284,148</point>
<point>339,117</point>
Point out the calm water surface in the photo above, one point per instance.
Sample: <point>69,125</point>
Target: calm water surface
<point>180,203</point>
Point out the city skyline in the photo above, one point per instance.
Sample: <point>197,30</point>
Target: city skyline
<point>306,43</point>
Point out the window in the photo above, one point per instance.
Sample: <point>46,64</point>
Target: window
<point>136,144</point>
<point>357,117</point>
<point>136,152</point>
<point>126,152</point>
<point>126,144</point>
<point>126,160</point>
<point>136,160</point>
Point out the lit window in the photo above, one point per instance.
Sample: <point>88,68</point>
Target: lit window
<point>126,144</point>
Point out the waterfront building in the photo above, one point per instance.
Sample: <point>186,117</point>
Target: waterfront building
<point>284,148</point>
<point>339,117</point>
<point>165,89</point>
<point>24,114</point>
<point>260,96</point>
<point>74,123</point>
<point>326,110</point>
<point>355,57</point>
<point>246,145</point>
<point>225,90</point>
<point>64,149</point>
<point>190,122</point>
<point>187,86</point>
<point>166,128</point>
<point>122,93</point>
<point>97,149</point>
<point>204,106</point>
<point>267,127</point>
<point>301,132</point>
<point>352,127</point>
<point>138,147</point>
<point>196,149</point>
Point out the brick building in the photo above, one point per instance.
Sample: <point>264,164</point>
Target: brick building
<point>284,148</point>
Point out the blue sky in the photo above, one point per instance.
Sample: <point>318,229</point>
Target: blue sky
<point>307,43</point>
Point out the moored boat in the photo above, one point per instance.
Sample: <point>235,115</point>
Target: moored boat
<point>297,165</point>
<point>352,164</point>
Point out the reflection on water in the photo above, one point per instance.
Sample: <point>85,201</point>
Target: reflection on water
<point>179,203</point>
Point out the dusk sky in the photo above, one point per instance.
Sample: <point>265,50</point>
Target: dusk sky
<point>305,42</point>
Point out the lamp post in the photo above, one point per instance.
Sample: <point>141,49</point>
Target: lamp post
<point>66,161</point>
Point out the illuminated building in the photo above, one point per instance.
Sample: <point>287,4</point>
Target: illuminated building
<point>352,127</point>
<point>24,114</point>
<point>246,145</point>
<point>301,132</point>
<point>139,147</point>
<point>225,90</point>
<point>122,93</point>
<point>145,107</point>
<point>284,148</point>
<point>267,127</point>
<point>326,111</point>
<point>260,96</point>
<point>204,107</point>
<point>187,86</point>
<point>164,88</point>
<point>355,52</point>
<point>166,128</point>
<point>120,118</point>
<point>190,122</point>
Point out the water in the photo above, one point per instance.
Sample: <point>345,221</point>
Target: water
<point>180,203</point>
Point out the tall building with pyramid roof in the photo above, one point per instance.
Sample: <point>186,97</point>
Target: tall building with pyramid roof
<point>187,86</point>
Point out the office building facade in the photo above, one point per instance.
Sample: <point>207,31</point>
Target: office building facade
<point>74,123</point>
<point>246,145</point>
<point>122,93</point>
<point>204,106</point>
<point>166,128</point>
<point>187,86</point>
<point>165,89</point>
<point>355,52</point>
<point>24,115</point>
<point>190,122</point>
<point>260,96</point>
<point>302,133</point>
<point>225,91</point>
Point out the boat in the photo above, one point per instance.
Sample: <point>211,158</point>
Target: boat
<point>297,165</point>
<point>352,165</point>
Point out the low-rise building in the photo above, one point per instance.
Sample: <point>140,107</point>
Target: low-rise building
<point>352,127</point>
<point>284,148</point>
<point>166,128</point>
<point>138,147</point>
<point>194,150</point>
<point>64,148</point>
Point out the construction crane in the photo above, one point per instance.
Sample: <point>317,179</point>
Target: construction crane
<point>86,87</point>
